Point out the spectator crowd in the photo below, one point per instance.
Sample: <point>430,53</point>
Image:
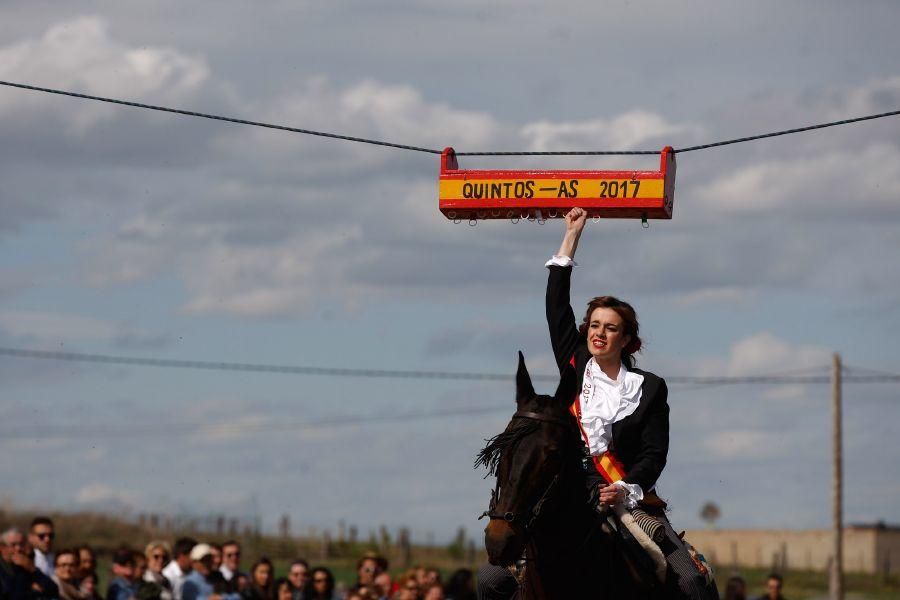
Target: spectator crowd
<point>32,569</point>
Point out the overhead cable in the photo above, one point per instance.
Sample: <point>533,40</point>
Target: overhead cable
<point>211,429</point>
<point>191,113</point>
<point>774,379</point>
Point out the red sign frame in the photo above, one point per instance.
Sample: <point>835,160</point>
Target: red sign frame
<point>506,194</point>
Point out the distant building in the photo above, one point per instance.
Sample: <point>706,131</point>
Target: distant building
<point>867,548</point>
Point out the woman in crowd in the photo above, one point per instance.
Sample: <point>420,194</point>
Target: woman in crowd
<point>88,586</point>
<point>260,587</point>
<point>735,589</point>
<point>87,560</point>
<point>320,585</point>
<point>284,590</point>
<point>157,554</point>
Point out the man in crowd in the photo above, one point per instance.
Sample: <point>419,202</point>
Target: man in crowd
<point>197,584</point>
<point>774,583</point>
<point>11,542</point>
<point>65,568</point>
<point>37,585</point>
<point>178,569</point>
<point>231,563</point>
<point>298,575</point>
<point>41,537</point>
<point>122,587</point>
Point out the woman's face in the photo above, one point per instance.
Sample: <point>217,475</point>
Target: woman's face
<point>606,335</point>
<point>89,585</point>
<point>86,561</point>
<point>434,593</point>
<point>66,567</point>
<point>320,582</point>
<point>157,559</point>
<point>262,575</point>
<point>284,591</point>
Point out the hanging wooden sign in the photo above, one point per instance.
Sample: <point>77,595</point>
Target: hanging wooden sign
<point>504,194</point>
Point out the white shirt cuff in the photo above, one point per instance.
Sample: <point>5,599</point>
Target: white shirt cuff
<point>561,261</point>
<point>634,491</point>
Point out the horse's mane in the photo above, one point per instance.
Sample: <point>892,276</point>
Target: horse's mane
<point>491,454</point>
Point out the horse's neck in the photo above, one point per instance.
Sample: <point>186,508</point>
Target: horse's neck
<point>561,553</point>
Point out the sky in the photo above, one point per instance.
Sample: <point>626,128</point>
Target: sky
<point>132,233</point>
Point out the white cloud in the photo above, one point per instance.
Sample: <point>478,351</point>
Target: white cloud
<point>52,328</point>
<point>624,132</point>
<point>55,326</point>
<point>82,56</point>
<point>102,493</point>
<point>763,353</point>
<point>862,183</point>
<point>745,444</point>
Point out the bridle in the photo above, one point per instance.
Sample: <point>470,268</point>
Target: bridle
<point>526,519</point>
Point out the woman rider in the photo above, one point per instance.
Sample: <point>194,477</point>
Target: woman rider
<point>623,412</point>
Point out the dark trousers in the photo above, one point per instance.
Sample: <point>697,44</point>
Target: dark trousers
<point>496,583</point>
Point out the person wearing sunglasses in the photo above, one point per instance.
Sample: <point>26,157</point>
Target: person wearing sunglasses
<point>157,553</point>
<point>320,585</point>
<point>231,563</point>
<point>66,575</point>
<point>41,535</point>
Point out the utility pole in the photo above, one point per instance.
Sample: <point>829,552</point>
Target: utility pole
<point>836,581</point>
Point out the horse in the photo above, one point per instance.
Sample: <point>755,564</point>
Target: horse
<point>540,505</point>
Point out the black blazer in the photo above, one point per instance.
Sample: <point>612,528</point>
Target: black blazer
<point>640,440</point>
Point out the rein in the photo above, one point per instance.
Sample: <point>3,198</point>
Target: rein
<point>527,519</point>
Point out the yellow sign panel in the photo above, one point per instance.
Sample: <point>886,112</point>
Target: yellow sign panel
<point>486,189</point>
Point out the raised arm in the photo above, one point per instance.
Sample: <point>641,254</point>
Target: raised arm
<point>560,318</point>
<point>575,220</point>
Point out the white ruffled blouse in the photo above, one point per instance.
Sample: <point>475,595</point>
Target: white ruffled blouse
<point>605,401</point>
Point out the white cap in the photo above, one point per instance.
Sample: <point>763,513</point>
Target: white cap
<point>200,550</point>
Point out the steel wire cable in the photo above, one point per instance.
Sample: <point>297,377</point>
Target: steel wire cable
<point>773,379</point>
<point>192,113</point>
<point>432,150</point>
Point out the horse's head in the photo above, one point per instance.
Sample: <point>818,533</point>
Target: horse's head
<point>529,458</point>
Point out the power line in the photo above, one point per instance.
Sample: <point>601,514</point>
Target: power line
<point>191,113</point>
<point>212,429</point>
<point>768,379</point>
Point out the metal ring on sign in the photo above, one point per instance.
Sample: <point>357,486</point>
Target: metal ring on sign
<point>524,214</point>
<point>552,213</point>
<point>510,214</point>
<point>473,221</point>
<point>451,214</point>
<point>514,220</point>
<point>495,213</point>
<point>596,218</point>
<point>457,221</point>
<point>481,214</point>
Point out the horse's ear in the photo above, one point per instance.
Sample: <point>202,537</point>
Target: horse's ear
<point>566,390</point>
<point>524,388</point>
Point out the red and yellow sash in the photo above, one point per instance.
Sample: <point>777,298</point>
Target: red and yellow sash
<point>608,466</point>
